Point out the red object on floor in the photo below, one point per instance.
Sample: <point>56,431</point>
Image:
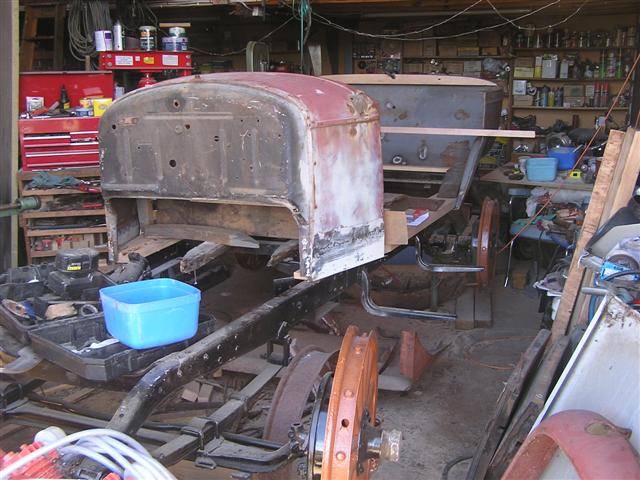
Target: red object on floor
<point>597,448</point>
<point>47,143</point>
<point>42,467</point>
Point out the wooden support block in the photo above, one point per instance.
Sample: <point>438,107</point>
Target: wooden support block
<point>413,356</point>
<point>465,310</point>
<point>483,315</point>
<point>200,255</point>
<point>205,233</point>
<point>395,228</point>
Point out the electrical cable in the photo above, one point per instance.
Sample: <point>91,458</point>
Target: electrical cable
<point>531,29</point>
<point>400,36</point>
<point>236,52</point>
<point>452,463</point>
<point>615,275</point>
<point>84,18</point>
<point>75,450</point>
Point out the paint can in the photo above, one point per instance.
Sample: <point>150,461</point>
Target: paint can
<point>175,44</point>
<point>147,38</point>
<point>103,40</point>
<point>177,32</point>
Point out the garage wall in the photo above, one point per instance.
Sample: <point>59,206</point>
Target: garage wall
<point>8,127</point>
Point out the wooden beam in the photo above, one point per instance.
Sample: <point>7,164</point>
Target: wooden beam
<point>204,233</point>
<point>414,168</point>
<point>589,227</point>
<point>470,132</point>
<point>200,255</point>
<point>282,252</point>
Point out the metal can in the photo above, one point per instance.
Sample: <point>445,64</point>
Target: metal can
<point>177,32</point>
<point>175,44</point>
<point>118,36</point>
<point>147,38</point>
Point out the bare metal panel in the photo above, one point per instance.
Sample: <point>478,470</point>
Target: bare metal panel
<point>306,144</point>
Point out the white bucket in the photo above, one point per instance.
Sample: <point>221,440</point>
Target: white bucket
<point>103,40</point>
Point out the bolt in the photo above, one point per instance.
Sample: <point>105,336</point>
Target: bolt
<point>358,350</point>
<point>390,445</point>
<point>348,393</point>
<point>205,357</point>
<point>341,456</point>
<point>179,373</point>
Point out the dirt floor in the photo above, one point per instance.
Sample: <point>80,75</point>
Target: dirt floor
<point>442,417</point>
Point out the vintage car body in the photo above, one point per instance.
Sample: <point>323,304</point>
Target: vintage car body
<point>232,158</point>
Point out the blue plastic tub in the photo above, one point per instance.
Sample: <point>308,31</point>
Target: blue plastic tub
<point>151,313</point>
<point>542,169</point>
<point>566,156</point>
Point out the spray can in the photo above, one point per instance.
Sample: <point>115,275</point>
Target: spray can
<point>118,36</point>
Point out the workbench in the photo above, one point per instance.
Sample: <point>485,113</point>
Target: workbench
<point>497,176</point>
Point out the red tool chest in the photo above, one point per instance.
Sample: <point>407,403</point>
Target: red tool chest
<point>47,143</point>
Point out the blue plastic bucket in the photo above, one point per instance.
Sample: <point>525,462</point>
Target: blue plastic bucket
<point>566,156</point>
<point>542,169</point>
<point>151,313</point>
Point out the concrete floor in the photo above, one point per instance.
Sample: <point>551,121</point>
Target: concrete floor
<point>444,415</point>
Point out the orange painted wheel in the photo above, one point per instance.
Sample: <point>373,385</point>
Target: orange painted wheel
<point>487,240</point>
<point>351,410</point>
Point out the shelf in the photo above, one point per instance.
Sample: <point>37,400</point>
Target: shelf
<point>52,253</point>
<point>63,213</point>
<point>65,231</point>
<point>576,49</point>
<point>72,172</point>
<point>570,80</point>
<point>571,109</point>
<point>477,57</point>
<point>53,191</point>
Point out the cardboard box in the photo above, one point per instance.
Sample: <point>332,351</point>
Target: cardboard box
<point>468,51</point>
<point>412,49</point>
<point>523,72</point>
<point>489,51</point>
<point>448,50</point>
<point>522,100</point>
<point>524,62</point>
<point>472,68</point>
<point>549,68</point>
<point>573,102</point>
<point>454,68</point>
<point>573,90</point>
<point>519,87</point>
<point>429,48</point>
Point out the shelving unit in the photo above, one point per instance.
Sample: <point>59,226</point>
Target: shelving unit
<point>42,241</point>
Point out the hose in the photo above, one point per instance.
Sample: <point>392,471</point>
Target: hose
<point>86,17</point>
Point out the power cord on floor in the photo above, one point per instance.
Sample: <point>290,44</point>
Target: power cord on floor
<point>452,463</point>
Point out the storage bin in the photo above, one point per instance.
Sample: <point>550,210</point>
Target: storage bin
<point>151,313</point>
<point>542,169</point>
<point>566,156</point>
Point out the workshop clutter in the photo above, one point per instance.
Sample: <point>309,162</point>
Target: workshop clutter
<point>52,449</point>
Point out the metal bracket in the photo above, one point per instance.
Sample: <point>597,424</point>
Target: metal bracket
<point>371,307</point>
<point>439,268</point>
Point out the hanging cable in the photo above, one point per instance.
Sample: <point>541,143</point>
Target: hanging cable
<point>86,17</point>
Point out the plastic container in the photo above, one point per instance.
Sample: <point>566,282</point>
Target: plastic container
<point>566,156</point>
<point>151,313</point>
<point>542,169</point>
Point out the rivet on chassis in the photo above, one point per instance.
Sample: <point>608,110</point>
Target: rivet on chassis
<point>340,456</point>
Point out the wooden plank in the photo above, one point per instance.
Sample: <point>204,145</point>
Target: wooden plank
<point>505,406</point>
<point>282,252</point>
<point>625,176</point>
<point>144,246</point>
<point>51,191</point>
<point>414,168</point>
<point>63,213</point>
<point>382,79</point>
<point>145,212</point>
<point>78,172</point>
<point>200,255</point>
<point>482,315</point>
<point>589,227</point>
<point>465,310</point>
<point>470,132</point>
<point>204,233</point>
<point>65,231</point>
<point>53,253</point>
<point>497,176</point>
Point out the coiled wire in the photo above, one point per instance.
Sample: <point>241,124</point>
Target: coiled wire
<point>85,17</point>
